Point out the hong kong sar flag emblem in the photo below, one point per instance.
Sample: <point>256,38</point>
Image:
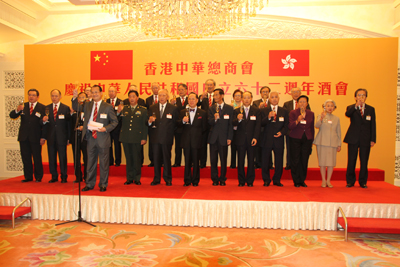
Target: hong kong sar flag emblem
<point>289,62</point>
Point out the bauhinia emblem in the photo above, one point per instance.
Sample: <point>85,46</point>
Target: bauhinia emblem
<point>288,62</point>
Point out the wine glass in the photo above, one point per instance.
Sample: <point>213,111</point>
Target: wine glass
<point>241,108</point>
<point>154,122</point>
<point>47,112</point>
<point>21,103</point>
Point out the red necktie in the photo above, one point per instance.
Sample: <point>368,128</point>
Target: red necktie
<point>275,114</point>
<point>31,109</point>
<point>183,101</point>
<point>295,104</point>
<point>361,112</point>
<point>94,133</point>
<point>155,101</point>
<point>209,100</point>
<point>112,103</point>
<point>55,112</point>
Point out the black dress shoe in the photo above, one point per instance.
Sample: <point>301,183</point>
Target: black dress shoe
<point>117,164</point>
<point>349,185</point>
<point>175,165</point>
<point>151,165</point>
<point>296,185</point>
<point>241,185</point>
<point>154,183</point>
<point>250,185</point>
<point>271,168</point>
<point>232,167</point>
<point>186,185</point>
<point>63,181</point>
<point>278,184</point>
<point>38,181</point>
<point>103,189</point>
<point>168,183</point>
<point>222,183</point>
<point>202,166</point>
<point>303,184</point>
<point>86,188</point>
<point>267,184</point>
<point>137,183</point>
<point>53,181</point>
<point>257,166</point>
<point>215,183</point>
<point>195,185</point>
<point>287,167</point>
<point>77,181</point>
<point>363,186</point>
<point>26,181</point>
<point>128,182</point>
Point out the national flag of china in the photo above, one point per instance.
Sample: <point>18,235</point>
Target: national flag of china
<point>289,63</point>
<point>111,65</point>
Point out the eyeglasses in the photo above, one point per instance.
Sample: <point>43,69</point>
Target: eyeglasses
<point>361,95</point>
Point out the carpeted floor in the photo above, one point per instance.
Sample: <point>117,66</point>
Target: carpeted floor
<point>41,243</point>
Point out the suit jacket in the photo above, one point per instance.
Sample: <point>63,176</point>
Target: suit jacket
<point>362,129</point>
<point>109,122</point>
<point>59,127</point>
<point>140,102</point>
<point>258,102</point>
<point>297,130</point>
<point>180,108</point>
<point>31,129</point>
<point>165,127</point>
<point>204,103</point>
<point>149,102</point>
<point>192,132</point>
<point>117,102</point>
<point>74,116</point>
<point>329,133</point>
<point>271,128</point>
<point>221,129</point>
<point>289,105</point>
<point>134,125</point>
<point>247,129</point>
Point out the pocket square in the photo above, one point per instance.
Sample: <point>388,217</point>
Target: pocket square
<point>200,118</point>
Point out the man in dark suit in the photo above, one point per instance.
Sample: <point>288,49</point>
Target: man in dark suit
<point>58,134</point>
<point>261,103</point>
<point>194,124</point>
<point>289,106</point>
<point>115,102</point>
<point>133,136</point>
<point>275,121</point>
<point>74,99</point>
<point>180,102</point>
<point>31,135</point>
<point>151,100</point>
<point>98,138</point>
<point>206,101</point>
<point>76,133</point>
<point>360,136</point>
<point>247,120</point>
<point>220,136</point>
<point>162,123</point>
<point>140,101</point>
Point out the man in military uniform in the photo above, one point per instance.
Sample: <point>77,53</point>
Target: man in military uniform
<point>133,136</point>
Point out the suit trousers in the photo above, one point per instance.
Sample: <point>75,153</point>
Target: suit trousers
<point>216,149</point>
<point>31,150</point>
<point>62,157</point>
<point>117,148</point>
<point>287,139</point>
<point>278,154</point>
<point>95,152</point>
<point>352,153</point>
<point>203,150</point>
<point>242,151</point>
<point>133,161</point>
<point>178,149</point>
<point>77,159</point>
<point>162,153</point>
<point>192,156</point>
<point>300,150</point>
<point>234,149</point>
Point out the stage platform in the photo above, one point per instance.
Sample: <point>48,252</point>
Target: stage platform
<point>311,208</point>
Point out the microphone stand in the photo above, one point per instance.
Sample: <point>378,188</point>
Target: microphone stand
<point>78,176</point>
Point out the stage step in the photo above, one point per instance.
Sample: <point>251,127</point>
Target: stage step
<point>178,172</point>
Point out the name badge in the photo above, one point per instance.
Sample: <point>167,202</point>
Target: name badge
<point>38,114</point>
<point>61,117</point>
<point>138,112</point>
<point>226,117</point>
<point>368,118</point>
<point>281,119</point>
<point>103,116</point>
<point>303,122</point>
<point>252,118</point>
<point>234,128</point>
<point>116,107</point>
<point>169,116</point>
<point>330,122</point>
<point>82,114</point>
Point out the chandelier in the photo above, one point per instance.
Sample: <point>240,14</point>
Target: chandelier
<point>182,18</point>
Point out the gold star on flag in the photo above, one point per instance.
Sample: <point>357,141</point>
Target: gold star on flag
<point>97,58</point>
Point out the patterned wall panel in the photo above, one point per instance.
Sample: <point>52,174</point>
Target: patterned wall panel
<point>14,79</point>
<point>11,125</point>
<point>13,160</point>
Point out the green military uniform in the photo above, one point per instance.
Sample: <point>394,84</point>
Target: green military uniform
<point>133,130</point>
